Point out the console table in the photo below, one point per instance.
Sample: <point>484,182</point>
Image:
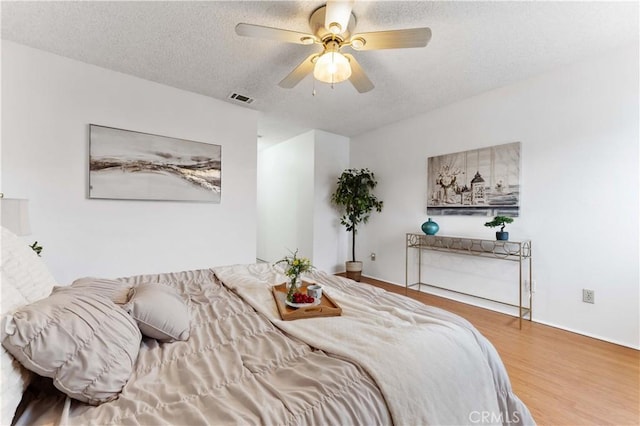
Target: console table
<point>515,251</point>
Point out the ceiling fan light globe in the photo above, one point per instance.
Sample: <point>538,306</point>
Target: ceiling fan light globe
<point>358,43</point>
<point>307,40</point>
<point>332,67</point>
<point>335,28</point>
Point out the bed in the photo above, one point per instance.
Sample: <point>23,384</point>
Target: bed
<point>386,360</point>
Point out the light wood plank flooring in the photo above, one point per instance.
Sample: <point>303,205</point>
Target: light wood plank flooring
<point>564,378</point>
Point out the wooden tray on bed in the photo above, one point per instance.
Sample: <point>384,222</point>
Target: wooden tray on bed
<point>327,307</point>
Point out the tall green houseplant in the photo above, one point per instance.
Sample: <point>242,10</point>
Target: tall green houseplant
<point>354,197</point>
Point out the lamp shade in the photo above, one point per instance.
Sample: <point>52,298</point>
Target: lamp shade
<point>14,215</point>
<point>332,67</point>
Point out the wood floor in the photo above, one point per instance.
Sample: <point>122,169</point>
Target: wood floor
<point>564,378</point>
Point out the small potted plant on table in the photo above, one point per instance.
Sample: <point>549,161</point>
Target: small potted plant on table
<point>500,221</point>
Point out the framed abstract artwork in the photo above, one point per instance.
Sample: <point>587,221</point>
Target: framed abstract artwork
<point>128,165</point>
<point>479,182</point>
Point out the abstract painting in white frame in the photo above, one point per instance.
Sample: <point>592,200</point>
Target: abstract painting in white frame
<point>478,182</point>
<point>129,165</point>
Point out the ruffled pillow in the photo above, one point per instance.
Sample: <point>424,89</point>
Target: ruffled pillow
<point>82,340</point>
<point>117,291</point>
<point>159,311</point>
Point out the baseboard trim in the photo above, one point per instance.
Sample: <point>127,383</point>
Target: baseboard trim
<point>591,335</point>
<point>538,321</point>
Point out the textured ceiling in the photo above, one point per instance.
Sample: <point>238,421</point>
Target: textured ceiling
<point>476,46</point>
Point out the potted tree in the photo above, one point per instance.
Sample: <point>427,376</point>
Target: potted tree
<point>354,197</point>
<point>500,221</point>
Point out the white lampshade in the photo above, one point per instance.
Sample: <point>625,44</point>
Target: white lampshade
<point>15,215</point>
<point>332,67</point>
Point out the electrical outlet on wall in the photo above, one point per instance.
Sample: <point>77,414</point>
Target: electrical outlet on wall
<point>373,257</point>
<point>588,296</point>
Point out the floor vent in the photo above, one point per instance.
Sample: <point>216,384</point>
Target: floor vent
<point>241,98</point>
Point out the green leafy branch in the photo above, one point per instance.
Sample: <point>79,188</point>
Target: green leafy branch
<point>500,221</point>
<point>35,247</point>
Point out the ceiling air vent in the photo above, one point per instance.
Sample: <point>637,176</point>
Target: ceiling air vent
<point>241,98</point>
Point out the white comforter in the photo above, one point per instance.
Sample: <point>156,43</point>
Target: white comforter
<point>432,367</point>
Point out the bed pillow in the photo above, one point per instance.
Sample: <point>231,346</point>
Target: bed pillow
<point>159,311</point>
<point>117,291</point>
<point>25,279</point>
<point>83,341</point>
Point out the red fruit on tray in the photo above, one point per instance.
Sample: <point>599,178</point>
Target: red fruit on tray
<point>302,298</point>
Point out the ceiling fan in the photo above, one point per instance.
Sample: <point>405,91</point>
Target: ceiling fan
<point>332,26</point>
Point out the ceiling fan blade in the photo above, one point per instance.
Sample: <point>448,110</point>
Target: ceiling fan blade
<point>395,39</point>
<point>337,15</point>
<point>299,72</point>
<point>358,78</point>
<point>258,31</point>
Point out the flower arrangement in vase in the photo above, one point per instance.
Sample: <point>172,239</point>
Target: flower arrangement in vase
<point>294,267</point>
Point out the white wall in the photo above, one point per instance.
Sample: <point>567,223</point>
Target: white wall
<point>580,205</point>
<point>329,237</point>
<point>295,182</point>
<point>48,102</point>
<point>285,198</point>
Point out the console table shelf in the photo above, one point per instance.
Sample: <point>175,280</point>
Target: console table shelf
<point>516,251</point>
